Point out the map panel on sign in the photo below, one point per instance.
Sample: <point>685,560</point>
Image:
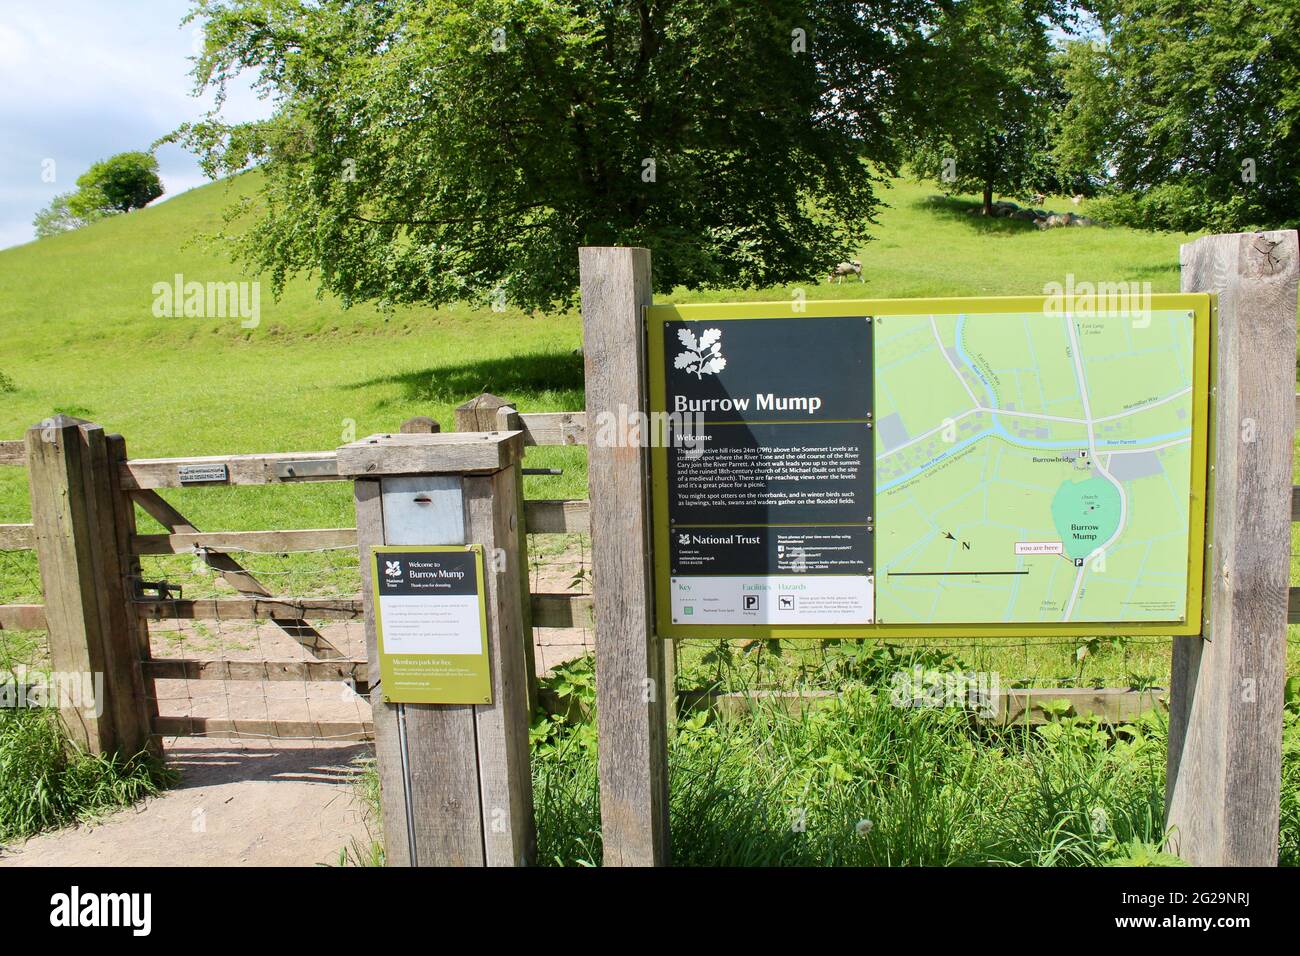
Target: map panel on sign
<point>1033,467</point>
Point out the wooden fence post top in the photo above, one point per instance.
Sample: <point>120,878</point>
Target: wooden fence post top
<point>479,413</point>
<point>484,400</point>
<point>59,421</point>
<point>430,454</point>
<point>1263,254</point>
<point>420,425</point>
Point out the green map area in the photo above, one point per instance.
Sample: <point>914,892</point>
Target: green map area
<point>1032,467</point>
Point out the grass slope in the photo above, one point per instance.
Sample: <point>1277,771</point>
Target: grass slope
<point>79,336</point>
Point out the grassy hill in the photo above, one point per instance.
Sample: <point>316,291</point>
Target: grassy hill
<point>79,334</point>
<point>80,337</point>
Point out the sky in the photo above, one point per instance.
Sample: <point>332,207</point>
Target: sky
<point>81,80</point>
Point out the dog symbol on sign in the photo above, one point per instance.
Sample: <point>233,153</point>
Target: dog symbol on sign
<point>787,602</point>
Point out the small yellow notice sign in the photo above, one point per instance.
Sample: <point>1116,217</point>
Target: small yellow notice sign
<point>431,624</point>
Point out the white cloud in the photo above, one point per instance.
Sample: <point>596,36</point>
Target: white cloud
<point>82,80</point>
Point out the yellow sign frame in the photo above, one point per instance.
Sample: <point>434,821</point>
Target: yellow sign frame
<point>1201,307</point>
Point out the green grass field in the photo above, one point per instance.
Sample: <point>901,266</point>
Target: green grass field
<point>79,336</point>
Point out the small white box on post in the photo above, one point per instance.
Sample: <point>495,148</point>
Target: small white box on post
<point>456,786</point>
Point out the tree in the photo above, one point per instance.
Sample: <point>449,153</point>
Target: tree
<point>59,217</point>
<point>992,91</point>
<point>115,185</point>
<point>1190,113</point>
<point>433,150</point>
<point>118,184</point>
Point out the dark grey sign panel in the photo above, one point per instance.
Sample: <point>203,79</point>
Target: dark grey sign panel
<point>770,496</point>
<point>425,573</point>
<point>763,370</point>
<point>796,550</point>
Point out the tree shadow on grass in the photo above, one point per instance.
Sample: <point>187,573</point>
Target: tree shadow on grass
<point>549,377</point>
<point>1168,270</point>
<point>957,209</point>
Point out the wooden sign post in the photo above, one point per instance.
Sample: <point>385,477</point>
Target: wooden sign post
<point>1226,698</point>
<point>633,683</point>
<point>455,779</point>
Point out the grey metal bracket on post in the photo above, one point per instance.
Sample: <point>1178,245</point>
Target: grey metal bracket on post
<point>456,786</point>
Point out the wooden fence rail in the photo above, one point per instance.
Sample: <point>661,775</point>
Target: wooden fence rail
<point>549,609</point>
<point>13,453</point>
<point>17,537</point>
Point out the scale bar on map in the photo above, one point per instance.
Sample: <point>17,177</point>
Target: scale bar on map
<point>931,574</point>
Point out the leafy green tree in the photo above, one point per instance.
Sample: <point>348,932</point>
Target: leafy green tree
<point>59,217</point>
<point>993,89</point>
<point>1189,112</point>
<point>115,185</point>
<point>118,184</point>
<point>434,150</point>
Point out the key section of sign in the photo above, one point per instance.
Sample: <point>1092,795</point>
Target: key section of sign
<point>772,599</point>
<point>769,494</point>
<point>432,625</point>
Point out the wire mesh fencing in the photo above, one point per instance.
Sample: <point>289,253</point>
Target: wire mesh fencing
<point>560,564</point>
<point>22,650</point>
<point>245,676</point>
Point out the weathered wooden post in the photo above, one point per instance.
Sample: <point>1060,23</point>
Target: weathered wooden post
<point>632,688</point>
<point>420,425</point>
<point>80,525</point>
<point>487,413</point>
<point>1226,697</point>
<point>455,778</point>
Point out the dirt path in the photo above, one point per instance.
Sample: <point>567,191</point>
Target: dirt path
<point>238,803</point>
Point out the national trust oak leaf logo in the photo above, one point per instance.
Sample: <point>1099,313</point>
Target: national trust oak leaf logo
<point>703,357</point>
<point>393,569</point>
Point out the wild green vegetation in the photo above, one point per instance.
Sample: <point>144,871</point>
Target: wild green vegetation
<point>682,127</point>
<point>1164,111</point>
<point>744,145</point>
<point>45,780</point>
<point>46,783</point>
<point>859,781</point>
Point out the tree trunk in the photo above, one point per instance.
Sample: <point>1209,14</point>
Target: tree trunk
<point>988,199</point>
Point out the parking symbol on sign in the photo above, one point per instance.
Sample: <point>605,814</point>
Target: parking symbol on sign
<point>751,602</point>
